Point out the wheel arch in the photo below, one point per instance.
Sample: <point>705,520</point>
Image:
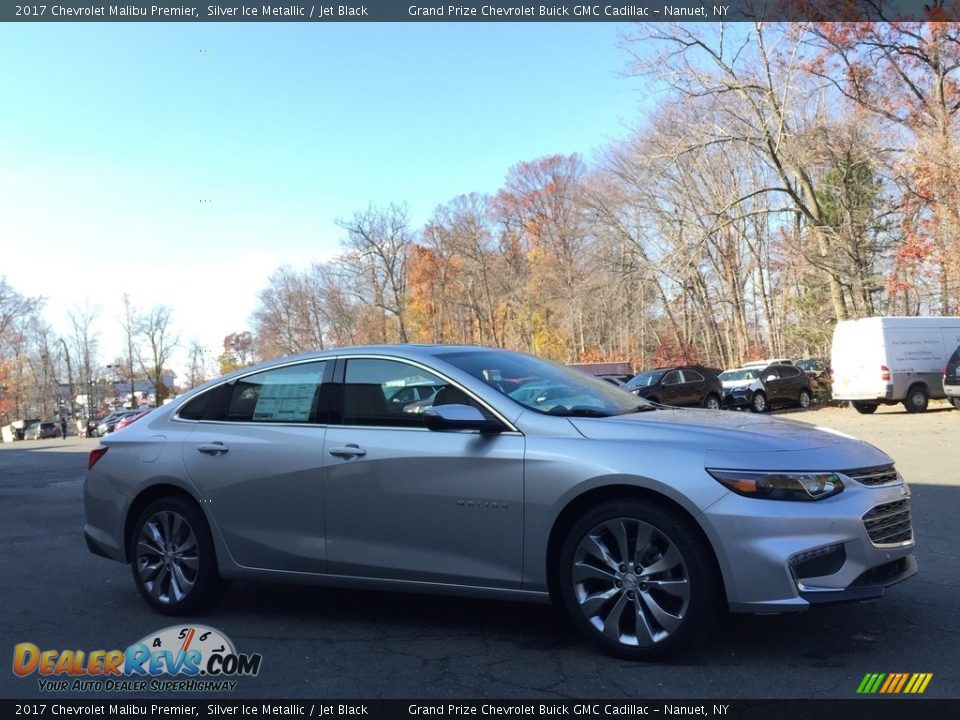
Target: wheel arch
<point>590,498</point>
<point>146,496</point>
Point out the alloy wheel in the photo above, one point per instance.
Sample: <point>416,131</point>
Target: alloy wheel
<point>630,582</point>
<point>167,557</point>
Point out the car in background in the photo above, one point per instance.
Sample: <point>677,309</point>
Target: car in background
<point>41,430</point>
<point>109,423</point>
<point>818,370</point>
<point>130,418</point>
<point>524,480</point>
<point>617,380</point>
<point>951,379</point>
<point>684,386</point>
<point>761,386</point>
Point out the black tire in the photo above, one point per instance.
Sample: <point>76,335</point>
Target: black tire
<point>666,610</point>
<point>916,399</point>
<point>175,587</point>
<point>955,401</point>
<point>712,402</point>
<point>865,408</point>
<point>759,403</point>
<point>806,397</point>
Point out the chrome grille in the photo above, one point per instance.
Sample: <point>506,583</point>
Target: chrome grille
<point>889,524</point>
<point>882,475</point>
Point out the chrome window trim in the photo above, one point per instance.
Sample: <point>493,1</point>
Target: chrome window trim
<point>512,429</point>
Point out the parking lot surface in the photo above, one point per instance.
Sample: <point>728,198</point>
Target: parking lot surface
<point>324,643</point>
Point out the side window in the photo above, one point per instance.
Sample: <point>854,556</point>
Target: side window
<point>770,373</point>
<point>291,394</point>
<point>788,372</point>
<point>389,393</point>
<point>692,376</point>
<point>671,378</point>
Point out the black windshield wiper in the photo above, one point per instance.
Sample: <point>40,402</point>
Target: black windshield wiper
<point>639,408</point>
<point>578,411</point>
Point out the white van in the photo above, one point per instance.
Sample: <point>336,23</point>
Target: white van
<point>892,359</point>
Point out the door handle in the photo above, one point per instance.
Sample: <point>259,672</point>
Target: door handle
<point>214,448</point>
<point>348,451</point>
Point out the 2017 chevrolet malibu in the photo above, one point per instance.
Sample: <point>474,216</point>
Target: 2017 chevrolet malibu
<point>522,480</point>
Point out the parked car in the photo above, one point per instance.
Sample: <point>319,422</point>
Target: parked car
<point>951,379</point>
<point>41,430</point>
<point>689,386</point>
<point>818,370</point>
<point>643,522</point>
<point>761,387</point>
<point>109,423</point>
<point>889,360</point>
<point>616,380</point>
<point>130,418</point>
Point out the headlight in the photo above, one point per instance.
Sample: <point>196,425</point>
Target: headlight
<point>780,485</point>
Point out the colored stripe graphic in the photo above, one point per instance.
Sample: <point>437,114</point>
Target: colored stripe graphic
<point>894,683</point>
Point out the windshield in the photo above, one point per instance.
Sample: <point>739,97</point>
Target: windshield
<point>646,379</point>
<point>544,387</point>
<point>751,374</point>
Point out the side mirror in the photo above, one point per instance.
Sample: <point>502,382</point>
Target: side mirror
<point>459,417</point>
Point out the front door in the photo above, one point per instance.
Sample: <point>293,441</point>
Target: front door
<point>408,503</point>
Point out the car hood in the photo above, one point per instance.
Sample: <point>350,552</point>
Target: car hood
<point>738,440</point>
<point>734,384</point>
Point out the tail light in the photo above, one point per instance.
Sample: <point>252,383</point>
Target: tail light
<point>98,452</point>
<point>884,372</point>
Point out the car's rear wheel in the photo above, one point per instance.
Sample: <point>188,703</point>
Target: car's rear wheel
<point>916,400</point>
<point>865,408</point>
<point>638,580</point>
<point>759,402</point>
<point>805,399</point>
<point>173,559</point>
<point>955,402</point>
<point>712,402</point>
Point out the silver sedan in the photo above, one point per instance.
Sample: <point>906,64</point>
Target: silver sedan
<point>522,479</point>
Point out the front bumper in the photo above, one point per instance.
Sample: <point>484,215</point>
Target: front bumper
<point>738,398</point>
<point>764,545</point>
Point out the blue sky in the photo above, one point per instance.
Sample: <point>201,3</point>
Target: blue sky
<point>112,134</point>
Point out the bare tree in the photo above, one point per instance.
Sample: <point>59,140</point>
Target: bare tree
<point>160,340</point>
<point>377,244</point>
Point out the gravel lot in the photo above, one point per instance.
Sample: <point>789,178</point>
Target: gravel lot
<point>336,644</point>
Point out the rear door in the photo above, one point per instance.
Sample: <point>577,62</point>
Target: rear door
<point>256,455</point>
<point>694,387</point>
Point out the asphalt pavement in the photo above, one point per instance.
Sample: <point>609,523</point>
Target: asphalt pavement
<point>323,643</point>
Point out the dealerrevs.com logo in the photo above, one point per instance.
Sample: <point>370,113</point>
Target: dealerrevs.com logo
<point>175,659</point>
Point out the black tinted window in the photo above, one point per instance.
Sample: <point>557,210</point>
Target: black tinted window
<point>787,371</point>
<point>692,376</point>
<point>671,378</point>
<point>390,393</point>
<point>290,394</point>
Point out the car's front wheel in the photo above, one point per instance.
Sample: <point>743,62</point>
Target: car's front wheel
<point>637,579</point>
<point>759,402</point>
<point>173,559</point>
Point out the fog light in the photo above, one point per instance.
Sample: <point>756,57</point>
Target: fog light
<point>818,563</point>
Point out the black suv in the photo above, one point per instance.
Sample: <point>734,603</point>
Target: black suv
<point>689,385</point>
<point>760,386</point>
<point>951,379</point>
